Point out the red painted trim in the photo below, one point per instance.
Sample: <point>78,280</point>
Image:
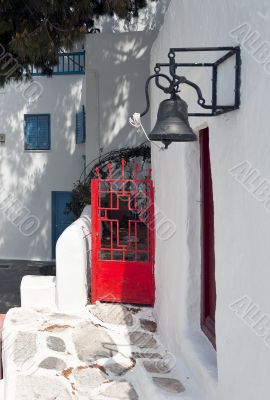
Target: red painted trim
<point>208,299</point>
<point>94,204</point>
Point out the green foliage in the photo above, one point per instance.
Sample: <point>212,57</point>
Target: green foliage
<point>81,194</point>
<point>80,198</point>
<point>34,32</point>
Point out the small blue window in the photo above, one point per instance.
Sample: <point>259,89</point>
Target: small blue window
<point>80,126</point>
<point>37,132</point>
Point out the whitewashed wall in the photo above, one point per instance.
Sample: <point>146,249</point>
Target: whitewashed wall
<point>116,68</point>
<point>31,176</point>
<point>242,223</point>
<point>112,89</point>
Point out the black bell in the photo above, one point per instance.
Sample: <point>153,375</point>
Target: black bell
<point>172,123</point>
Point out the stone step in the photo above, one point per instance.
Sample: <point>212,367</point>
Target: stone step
<point>38,291</point>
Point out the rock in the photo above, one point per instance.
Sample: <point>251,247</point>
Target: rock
<point>146,354</point>
<point>121,390</point>
<point>134,310</point>
<point>56,344</point>
<point>120,369</point>
<point>142,340</point>
<point>156,366</point>
<point>41,388</point>
<point>168,384</point>
<point>92,343</point>
<point>147,325</point>
<point>25,348</point>
<point>53,363</point>
<point>88,377</point>
<point>112,314</point>
<point>116,369</point>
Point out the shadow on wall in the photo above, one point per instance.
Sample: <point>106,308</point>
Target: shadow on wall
<point>29,177</point>
<point>122,64</point>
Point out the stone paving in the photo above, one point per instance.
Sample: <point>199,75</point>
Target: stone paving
<point>110,352</point>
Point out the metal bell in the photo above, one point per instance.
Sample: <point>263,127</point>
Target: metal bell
<point>172,123</point>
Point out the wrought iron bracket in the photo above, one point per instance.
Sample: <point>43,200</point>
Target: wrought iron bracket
<point>175,80</point>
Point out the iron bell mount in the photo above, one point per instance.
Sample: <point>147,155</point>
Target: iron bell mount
<point>172,120</point>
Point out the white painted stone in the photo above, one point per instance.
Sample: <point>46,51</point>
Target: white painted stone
<point>38,291</point>
<point>42,388</point>
<point>23,317</point>
<point>73,251</point>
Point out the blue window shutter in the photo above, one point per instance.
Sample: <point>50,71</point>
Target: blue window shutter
<point>37,132</point>
<point>80,126</point>
<point>30,132</point>
<point>43,133</point>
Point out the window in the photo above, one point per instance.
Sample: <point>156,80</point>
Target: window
<point>80,126</point>
<point>208,305</point>
<point>37,132</point>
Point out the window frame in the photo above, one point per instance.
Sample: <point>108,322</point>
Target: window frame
<point>49,132</point>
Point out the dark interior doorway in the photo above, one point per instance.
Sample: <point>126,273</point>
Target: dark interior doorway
<point>208,301</point>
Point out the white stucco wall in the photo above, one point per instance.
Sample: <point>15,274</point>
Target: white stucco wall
<point>112,89</point>
<point>73,265</point>
<point>242,225</point>
<point>31,176</point>
<point>117,66</point>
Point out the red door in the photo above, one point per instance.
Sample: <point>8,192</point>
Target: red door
<point>122,240</point>
<point>208,247</point>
